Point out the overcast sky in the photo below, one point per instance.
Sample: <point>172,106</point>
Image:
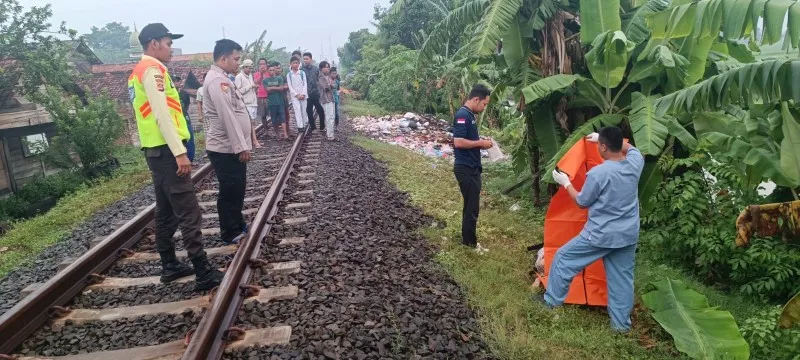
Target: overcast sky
<point>310,24</point>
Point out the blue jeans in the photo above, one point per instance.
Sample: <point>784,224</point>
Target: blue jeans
<point>579,253</point>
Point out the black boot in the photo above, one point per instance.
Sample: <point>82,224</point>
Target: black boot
<point>171,268</point>
<point>206,277</point>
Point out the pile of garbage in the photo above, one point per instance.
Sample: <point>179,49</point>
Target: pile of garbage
<point>424,134</point>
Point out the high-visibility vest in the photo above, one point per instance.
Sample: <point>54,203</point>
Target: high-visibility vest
<point>149,133</point>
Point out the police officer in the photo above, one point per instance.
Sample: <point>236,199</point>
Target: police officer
<point>467,166</point>
<point>163,133</point>
<point>229,141</point>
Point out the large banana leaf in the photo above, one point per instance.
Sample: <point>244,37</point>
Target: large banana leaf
<point>661,68</point>
<point>767,82</point>
<point>493,25</point>
<point>516,46</point>
<point>649,183</point>
<point>597,17</point>
<point>679,132</point>
<point>695,47</point>
<point>634,22</point>
<point>587,128</point>
<point>738,20</point>
<point>700,331</point>
<point>546,131</point>
<point>609,57</point>
<point>790,316</point>
<point>547,86</point>
<point>774,13</point>
<point>790,146</point>
<point>451,27</point>
<point>649,129</point>
<point>543,12</point>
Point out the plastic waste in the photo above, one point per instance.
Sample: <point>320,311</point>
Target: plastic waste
<point>494,153</point>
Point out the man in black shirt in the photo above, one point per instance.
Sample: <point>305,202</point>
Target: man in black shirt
<point>467,167</point>
<point>312,78</point>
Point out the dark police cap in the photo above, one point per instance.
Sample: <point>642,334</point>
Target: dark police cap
<point>156,31</point>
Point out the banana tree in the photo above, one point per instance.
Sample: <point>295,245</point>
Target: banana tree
<point>647,85</point>
<point>640,53</point>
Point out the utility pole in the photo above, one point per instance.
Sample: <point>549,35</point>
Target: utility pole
<point>333,53</point>
<point>223,32</point>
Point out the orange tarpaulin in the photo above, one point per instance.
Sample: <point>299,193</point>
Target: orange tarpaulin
<point>565,220</point>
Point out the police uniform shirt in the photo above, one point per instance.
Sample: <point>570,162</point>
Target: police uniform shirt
<point>464,127</point>
<point>229,126</point>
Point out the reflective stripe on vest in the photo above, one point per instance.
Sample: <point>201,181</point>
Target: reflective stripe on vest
<point>149,133</point>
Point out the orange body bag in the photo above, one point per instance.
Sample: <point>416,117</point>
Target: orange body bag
<point>565,220</point>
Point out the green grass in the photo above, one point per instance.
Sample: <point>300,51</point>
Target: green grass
<point>355,108</point>
<point>497,284</point>
<point>29,237</point>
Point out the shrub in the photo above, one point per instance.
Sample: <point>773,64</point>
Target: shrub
<point>88,127</point>
<point>767,340</point>
<point>692,222</point>
<point>55,186</point>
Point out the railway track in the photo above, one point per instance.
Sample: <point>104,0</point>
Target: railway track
<point>109,304</point>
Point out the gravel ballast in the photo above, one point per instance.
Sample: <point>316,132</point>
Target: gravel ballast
<point>369,288</point>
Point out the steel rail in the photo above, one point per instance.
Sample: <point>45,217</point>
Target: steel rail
<point>33,311</point>
<point>209,339</point>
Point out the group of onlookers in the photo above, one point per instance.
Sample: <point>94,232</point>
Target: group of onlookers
<point>306,90</point>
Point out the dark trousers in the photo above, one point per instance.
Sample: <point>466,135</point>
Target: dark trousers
<point>232,177</point>
<point>313,102</point>
<point>469,181</point>
<point>176,204</point>
<point>190,148</point>
<point>336,119</point>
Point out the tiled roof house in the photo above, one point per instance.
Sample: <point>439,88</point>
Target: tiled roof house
<point>26,128</point>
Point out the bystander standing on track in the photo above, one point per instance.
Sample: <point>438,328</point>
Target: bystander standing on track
<point>228,142</point>
<point>276,88</point>
<point>163,132</point>
<point>336,99</point>
<point>326,85</point>
<point>298,92</point>
<point>467,166</point>
<point>312,102</point>
<point>185,103</point>
<point>261,93</point>
<point>247,88</point>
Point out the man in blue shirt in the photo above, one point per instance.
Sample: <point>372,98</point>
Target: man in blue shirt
<point>611,231</point>
<point>467,167</point>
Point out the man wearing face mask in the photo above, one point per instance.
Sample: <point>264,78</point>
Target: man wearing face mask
<point>163,133</point>
<point>612,227</point>
<point>229,140</point>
